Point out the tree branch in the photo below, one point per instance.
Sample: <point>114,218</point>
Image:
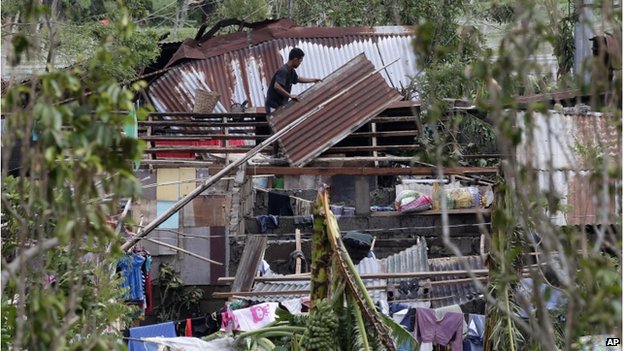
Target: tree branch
<point>11,268</point>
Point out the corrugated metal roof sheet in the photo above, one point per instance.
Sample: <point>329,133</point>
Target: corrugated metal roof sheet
<point>371,265</point>
<point>550,146</point>
<point>450,294</point>
<point>240,65</point>
<point>367,265</point>
<point>554,138</point>
<point>363,94</point>
<point>413,259</point>
<point>266,287</point>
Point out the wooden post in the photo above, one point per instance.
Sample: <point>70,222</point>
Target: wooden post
<point>298,248</point>
<point>375,154</point>
<point>226,142</point>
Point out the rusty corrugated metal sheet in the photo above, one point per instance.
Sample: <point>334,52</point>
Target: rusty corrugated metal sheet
<point>363,94</point>
<point>551,140</point>
<point>239,66</point>
<point>550,147</point>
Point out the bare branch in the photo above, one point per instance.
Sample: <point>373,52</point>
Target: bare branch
<point>27,255</point>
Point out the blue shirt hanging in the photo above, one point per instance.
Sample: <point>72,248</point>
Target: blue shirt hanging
<point>130,266</point>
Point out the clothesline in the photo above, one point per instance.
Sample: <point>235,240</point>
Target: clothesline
<point>190,180</point>
<point>193,318</point>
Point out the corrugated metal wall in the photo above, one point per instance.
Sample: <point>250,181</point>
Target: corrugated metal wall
<point>551,146</point>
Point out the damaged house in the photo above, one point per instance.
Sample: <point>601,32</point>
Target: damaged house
<point>354,131</point>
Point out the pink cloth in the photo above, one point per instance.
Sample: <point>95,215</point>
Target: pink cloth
<point>447,331</point>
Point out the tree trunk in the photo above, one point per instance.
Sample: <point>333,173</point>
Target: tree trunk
<point>321,257</point>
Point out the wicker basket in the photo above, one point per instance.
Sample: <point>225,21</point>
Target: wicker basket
<point>205,101</point>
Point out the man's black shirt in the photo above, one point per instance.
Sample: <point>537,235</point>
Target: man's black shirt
<point>286,78</point>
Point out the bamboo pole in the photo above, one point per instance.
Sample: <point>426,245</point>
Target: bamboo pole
<point>173,247</point>
<point>227,169</point>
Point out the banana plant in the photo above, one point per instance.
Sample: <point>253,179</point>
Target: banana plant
<point>342,315</point>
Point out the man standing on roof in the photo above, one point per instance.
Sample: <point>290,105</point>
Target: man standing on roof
<point>281,84</point>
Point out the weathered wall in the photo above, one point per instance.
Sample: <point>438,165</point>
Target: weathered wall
<point>199,227</point>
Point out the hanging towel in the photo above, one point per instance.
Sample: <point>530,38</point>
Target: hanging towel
<point>440,312</point>
<point>188,331</point>
<point>256,316</point>
<point>447,331</point>
<point>155,330</point>
<point>279,205</point>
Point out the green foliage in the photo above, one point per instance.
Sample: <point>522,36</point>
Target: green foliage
<point>445,81</point>
<point>499,13</point>
<point>249,11</point>
<point>75,166</point>
<point>80,43</point>
<point>564,45</point>
<point>77,35</point>
<point>174,296</point>
<point>337,13</point>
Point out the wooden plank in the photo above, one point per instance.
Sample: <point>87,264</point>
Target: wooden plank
<point>206,115</point>
<point>395,119</point>
<point>200,137</point>
<point>331,171</point>
<point>343,149</point>
<point>400,133</point>
<point>485,211</point>
<point>199,149</point>
<point>248,265</point>
<point>298,248</point>
<point>187,123</point>
<point>404,104</point>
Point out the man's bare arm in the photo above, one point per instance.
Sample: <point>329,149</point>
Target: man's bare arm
<point>280,89</point>
<point>308,80</point>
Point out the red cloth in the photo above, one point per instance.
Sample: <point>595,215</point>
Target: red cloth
<point>188,331</point>
<point>148,293</point>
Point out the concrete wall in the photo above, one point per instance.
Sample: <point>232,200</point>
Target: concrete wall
<point>393,233</point>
